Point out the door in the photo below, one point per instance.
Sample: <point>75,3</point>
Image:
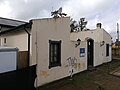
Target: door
<point>90,53</point>
<point>22,59</point>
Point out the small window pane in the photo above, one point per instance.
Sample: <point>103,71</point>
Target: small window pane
<point>55,53</point>
<point>55,50</point>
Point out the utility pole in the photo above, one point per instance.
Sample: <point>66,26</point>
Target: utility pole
<point>117,40</point>
<point>117,32</point>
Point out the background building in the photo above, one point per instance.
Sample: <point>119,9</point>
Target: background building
<point>7,24</point>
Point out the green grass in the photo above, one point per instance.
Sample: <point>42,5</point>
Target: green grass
<point>116,56</point>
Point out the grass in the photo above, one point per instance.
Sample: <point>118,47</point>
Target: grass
<point>98,79</point>
<point>116,57</point>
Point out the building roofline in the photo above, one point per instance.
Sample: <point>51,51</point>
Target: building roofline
<point>50,18</point>
<point>106,32</point>
<point>20,27</point>
<point>6,25</point>
<point>13,20</point>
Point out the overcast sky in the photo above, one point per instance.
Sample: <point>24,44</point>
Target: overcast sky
<point>105,11</point>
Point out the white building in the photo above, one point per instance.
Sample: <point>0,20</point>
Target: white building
<point>58,52</point>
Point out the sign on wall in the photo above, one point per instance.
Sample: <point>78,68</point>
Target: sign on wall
<point>82,52</point>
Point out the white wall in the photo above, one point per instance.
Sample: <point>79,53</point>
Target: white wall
<point>3,29</point>
<point>108,40</point>
<point>81,60</point>
<point>44,30</point>
<point>98,54</point>
<point>98,35</point>
<point>16,39</point>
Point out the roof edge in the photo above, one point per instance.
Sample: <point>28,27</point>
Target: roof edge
<point>13,19</point>
<point>17,28</point>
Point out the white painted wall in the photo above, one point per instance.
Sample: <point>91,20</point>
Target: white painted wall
<point>3,29</point>
<point>108,40</point>
<point>98,35</point>
<point>81,60</point>
<point>16,39</point>
<point>44,30</point>
<point>98,54</point>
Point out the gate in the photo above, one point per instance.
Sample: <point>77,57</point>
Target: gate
<point>22,79</point>
<point>22,60</point>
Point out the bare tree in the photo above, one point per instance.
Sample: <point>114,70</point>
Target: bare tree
<point>58,13</point>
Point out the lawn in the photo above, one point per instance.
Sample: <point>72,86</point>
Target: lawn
<point>97,79</point>
<point>117,57</point>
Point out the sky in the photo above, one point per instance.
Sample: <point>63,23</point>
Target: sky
<point>106,12</point>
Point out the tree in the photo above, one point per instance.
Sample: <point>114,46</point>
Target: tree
<point>82,23</point>
<point>58,13</point>
<point>73,25</point>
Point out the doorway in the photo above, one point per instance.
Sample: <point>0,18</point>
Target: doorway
<point>90,53</point>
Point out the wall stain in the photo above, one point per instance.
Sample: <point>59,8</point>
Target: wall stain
<point>44,74</point>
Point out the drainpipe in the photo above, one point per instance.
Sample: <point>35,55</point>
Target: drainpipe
<point>28,43</point>
<point>0,34</point>
<point>0,29</point>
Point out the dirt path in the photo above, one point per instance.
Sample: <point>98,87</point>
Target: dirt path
<point>98,79</point>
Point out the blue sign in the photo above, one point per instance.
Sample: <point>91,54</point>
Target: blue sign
<point>82,52</point>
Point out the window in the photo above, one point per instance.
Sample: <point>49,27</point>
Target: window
<point>54,53</point>
<point>107,49</point>
<point>4,40</point>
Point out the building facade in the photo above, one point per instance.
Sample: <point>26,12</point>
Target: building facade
<point>57,51</point>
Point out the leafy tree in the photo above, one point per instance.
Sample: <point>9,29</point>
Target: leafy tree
<point>82,23</point>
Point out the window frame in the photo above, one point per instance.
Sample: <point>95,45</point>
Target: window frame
<point>58,62</point>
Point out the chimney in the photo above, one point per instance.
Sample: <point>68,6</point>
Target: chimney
<point>99,25</point>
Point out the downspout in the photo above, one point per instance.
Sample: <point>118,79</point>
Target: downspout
<point>0,29</point>
<point>0,34</point>
<point>28,43</point>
